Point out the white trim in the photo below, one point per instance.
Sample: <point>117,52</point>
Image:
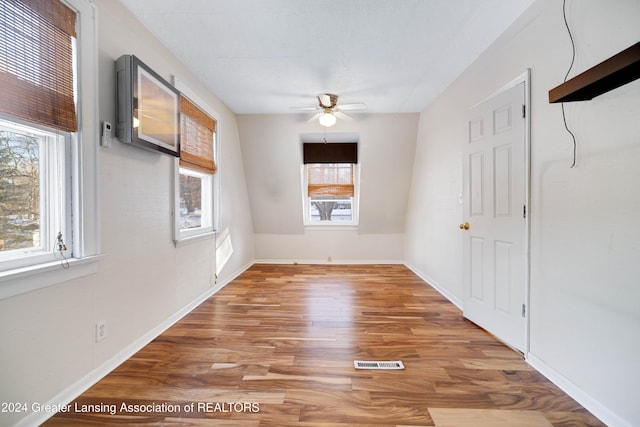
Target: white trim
<point>235,274</point>
<point>326,262</point>
<point>31,278</point>
<point>591,404</point>
<point>86,233</point>
<point>69,394</point>
<point>526,77</point>
<point>196,238</point>
<point>334,226</point>
<point>435,285</point>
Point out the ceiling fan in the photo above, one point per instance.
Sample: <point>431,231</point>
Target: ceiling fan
<point>330,111</point>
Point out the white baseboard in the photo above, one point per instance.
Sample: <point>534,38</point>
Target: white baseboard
<point>445,293</point>
<point>589,403</point>
<point>327,262</point>
<point>69,394</point>
<point>231,277</point>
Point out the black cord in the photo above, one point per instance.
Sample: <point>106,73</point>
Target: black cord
<point>573,44</point>
<point>573,58</point>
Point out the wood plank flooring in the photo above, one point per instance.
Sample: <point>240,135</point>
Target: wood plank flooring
<point>276,348</point>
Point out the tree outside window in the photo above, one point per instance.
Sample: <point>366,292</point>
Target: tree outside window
<point>19,191</point>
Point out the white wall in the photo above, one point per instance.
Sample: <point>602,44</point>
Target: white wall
<point>584,313</point>
<point>272,151</point>
<point>48,336</point>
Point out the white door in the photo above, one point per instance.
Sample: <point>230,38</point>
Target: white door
<point>494,226</point>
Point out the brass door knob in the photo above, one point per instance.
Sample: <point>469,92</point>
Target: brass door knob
<point>464,226</point>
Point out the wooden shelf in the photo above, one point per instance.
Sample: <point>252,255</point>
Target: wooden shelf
<point>614,72</point>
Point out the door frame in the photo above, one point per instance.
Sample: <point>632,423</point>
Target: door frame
<point>525,78</point>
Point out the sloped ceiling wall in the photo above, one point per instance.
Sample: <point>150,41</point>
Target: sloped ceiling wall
<point>272,154</point>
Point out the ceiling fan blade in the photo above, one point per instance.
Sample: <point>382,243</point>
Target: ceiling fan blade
<point>304,108</point>
<point>354,106</point>
<point>315,117</point>
<point>339,114</point>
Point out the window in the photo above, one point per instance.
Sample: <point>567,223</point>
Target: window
<point>33,195</point>
<point>195,178</point>
<point>330,184</point>
<point>37,47</point>
<point>195,210</point>
<point>48,166</point>
<point>330,193</point>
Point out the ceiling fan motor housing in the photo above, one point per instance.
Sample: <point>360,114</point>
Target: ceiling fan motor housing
<point>327,100</point>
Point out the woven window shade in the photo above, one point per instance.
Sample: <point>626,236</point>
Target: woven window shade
<point>328,179</point>
<point>196,139</point>
<point>334,152</point>
<point>36,62</point>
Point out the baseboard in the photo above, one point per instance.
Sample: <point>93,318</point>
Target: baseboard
<point>231,277</point>
<point>589,403</point>
<point>327,262</point>
<point>445,293</point>
<point>69,394</point>
<point>448,295</point>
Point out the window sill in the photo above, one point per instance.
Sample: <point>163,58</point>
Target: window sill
<point>192,239</point>
<point>27,279</point>
<point>323,227</point>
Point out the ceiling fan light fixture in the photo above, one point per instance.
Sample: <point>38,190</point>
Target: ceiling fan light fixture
<point>327,120</point>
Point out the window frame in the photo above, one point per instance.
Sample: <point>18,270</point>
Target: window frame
<point>206,204</point>
<point>186,236</point>
<point>54,178</point>
<point>83,237</point>
<point>306,202</point>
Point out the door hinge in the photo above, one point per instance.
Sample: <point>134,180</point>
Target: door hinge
<point>524,111</point>
<point>524,310</point>
<point>524,211</point>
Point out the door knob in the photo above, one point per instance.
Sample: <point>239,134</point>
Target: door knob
<point>464,226</point>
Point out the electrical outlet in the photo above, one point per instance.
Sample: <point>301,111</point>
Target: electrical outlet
<point>101,330</point>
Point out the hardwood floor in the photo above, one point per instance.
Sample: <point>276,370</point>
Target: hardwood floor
<point>276,348</point>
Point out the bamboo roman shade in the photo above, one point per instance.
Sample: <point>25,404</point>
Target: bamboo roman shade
<point>36,62</point>
<point>330,179</point>
<point>196,139</point>
<point>330,168</point>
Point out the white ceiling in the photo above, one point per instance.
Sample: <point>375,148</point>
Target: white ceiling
<point>265,56</point>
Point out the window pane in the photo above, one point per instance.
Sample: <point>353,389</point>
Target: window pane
<point>190,201</point>
<point>330,209</point>
<point>19,191</point>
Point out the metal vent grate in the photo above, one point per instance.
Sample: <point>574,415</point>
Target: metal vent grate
<point>367,364</point>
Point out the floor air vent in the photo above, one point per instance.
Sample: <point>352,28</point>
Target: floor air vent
<point>366,364</point>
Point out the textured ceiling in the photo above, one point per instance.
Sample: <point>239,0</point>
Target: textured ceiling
<point>265,56</point>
